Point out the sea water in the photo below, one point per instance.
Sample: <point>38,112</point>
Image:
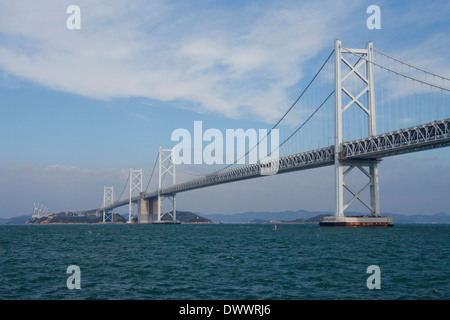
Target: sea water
<point>224,261</point>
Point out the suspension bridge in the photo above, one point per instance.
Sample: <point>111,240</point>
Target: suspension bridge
<point>361,106</point>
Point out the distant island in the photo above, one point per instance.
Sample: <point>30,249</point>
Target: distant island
<point>71,218</point>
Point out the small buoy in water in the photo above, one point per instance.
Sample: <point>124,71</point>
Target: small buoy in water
<point>275,227</point>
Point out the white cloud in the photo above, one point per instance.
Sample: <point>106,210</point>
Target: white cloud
<point>231,62</point>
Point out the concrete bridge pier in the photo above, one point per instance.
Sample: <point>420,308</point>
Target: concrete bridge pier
<point>147,209</point>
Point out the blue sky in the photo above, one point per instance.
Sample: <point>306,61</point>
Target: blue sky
<point>78,108</point>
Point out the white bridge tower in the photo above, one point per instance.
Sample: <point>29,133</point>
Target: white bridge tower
<point>135,185</point>
<point>108,199</point>
<point>166,167</point>
<point>362,72</point>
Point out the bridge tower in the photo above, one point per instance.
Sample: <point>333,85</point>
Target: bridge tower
<point>108,199</point>
<point>135,184</point>
<point>38,210</point>
<point>361,71</point>
<point>166,167</point>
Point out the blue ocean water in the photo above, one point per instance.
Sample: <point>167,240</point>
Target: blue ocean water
<point>212,262</point>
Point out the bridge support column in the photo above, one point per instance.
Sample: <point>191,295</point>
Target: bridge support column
<point>147,210</point>
<point>369,167</point>
<point>108,216</point>
<point>166,166</point>
<point>135,179</point>
<point>108,199</point>
<point>374,190</point>
<point>144,211</point>
<point>162,211</point>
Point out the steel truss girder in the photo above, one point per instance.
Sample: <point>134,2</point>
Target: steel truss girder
<point>426,136</point>
<point>306,160</point>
